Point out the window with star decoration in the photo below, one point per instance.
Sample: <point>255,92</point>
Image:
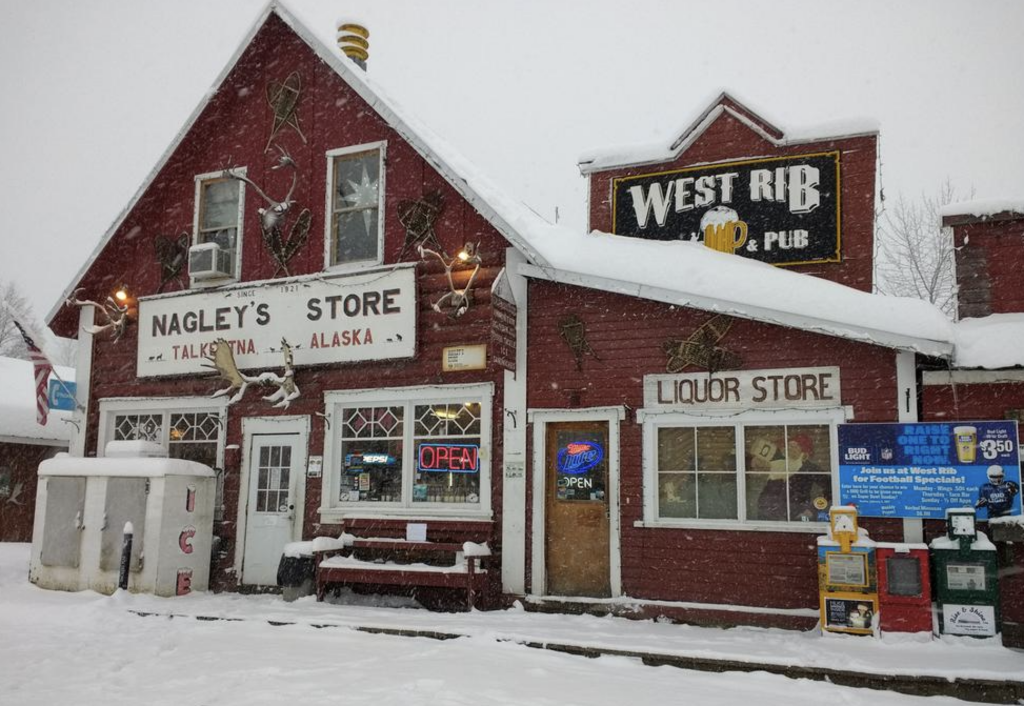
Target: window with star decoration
<point>355,202</point>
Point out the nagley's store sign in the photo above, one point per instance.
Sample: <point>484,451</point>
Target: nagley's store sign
<point>734,390</point>
<point>779,210</point>
<point>369,316</point>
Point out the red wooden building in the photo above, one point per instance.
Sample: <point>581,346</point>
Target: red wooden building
<point>615,413</point>
<point>987,380</point>
<point>24,444</point>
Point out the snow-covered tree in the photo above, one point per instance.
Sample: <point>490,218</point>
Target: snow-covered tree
<point>14,306</point>
<point>915,255</point>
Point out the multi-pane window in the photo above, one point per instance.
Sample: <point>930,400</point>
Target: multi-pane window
<point>355,206</point>
<point>447,446</point>
<point>742,472</point>
<point>410,449</point>
<point>371,440</point>
<point>272,484</point>
<point>189,435</point>
<point>218,220</point>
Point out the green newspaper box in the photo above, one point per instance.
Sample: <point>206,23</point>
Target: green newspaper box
<point>967,589</point>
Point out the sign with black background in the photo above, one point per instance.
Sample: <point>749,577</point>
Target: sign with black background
<point>778,210</point>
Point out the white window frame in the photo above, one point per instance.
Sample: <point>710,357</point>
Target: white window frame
<point>331,155</point>
<point>112,406</point>
<point>200,179</point>
<point>333,511</point>
<point>652,421</point>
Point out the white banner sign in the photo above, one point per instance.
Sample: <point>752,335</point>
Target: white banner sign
<point>342,319</point>
<point>807,388</point>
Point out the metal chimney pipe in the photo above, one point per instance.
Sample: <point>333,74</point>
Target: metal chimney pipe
<point>352,40</point>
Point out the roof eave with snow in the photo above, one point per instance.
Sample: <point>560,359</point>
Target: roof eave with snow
<point>743,310</point>
<point>467,182</point>
<point>660,152</point>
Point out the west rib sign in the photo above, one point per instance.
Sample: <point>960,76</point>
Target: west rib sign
<point>778,210</point>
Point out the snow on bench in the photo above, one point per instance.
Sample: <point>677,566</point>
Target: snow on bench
<point>374,560</point>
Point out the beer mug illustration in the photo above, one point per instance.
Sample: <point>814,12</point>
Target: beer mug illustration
<point>723,230</point>
<point>966,439</point>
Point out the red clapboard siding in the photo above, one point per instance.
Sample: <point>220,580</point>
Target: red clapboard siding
<point>776,569</point>
<point>233,131</point>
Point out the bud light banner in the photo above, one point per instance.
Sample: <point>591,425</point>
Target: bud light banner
<point>920,470</point>
<point>779,210</point>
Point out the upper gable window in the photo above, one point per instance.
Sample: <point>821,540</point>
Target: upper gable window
<point>355,202</point>
<point>215,254</point>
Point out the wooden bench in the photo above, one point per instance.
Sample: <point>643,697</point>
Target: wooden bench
<point>401,562</point>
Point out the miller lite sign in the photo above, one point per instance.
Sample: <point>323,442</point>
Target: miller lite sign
<point>578,457</point>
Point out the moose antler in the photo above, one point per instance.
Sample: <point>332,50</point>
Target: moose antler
<point>115,315</point>
<point>223,361</point>
<point>457,299</point>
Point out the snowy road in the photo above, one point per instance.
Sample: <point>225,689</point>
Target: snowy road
<point>85,649</point>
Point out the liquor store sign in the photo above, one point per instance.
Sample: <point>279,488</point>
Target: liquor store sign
<point>805,388</point>
<point>370,316</point>
<point>779,210</point>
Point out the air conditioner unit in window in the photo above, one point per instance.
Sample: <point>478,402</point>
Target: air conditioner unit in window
<point>208,261</point>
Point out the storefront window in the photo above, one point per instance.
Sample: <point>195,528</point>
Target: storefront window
<point>372,462</point>
<point>427,448</point>
<point>189,429</point>
<point>697,472</point>
<point>759,473</point>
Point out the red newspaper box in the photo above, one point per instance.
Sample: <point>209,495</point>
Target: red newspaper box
<point>904,588</point>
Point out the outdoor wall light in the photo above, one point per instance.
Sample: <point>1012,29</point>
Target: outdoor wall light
<point>457,300</point>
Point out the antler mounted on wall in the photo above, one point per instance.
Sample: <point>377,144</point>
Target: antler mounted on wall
<point>456,300</point>
<point>115,315</point>
<point>223,361</point>
<point>273,214</point>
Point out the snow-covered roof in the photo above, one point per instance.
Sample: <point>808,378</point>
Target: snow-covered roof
<point>670,148</point>
<point>65,465</point>
<point>18,406</point>
<point>679,273</point>
<point>990,342</point>
<point>982,208</point>
<point>510,218</point>
<point>690,274</point>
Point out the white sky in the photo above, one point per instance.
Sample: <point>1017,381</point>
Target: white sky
<point>94,91</point>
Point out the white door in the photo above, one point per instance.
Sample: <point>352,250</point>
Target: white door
<point>275,468</point>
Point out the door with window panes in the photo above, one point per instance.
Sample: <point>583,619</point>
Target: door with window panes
<point>275,465</point>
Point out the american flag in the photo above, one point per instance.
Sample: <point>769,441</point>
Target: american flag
<point>42,369</point>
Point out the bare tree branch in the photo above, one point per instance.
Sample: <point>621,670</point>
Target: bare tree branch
<point>13,305</point>
<point>915,255</point>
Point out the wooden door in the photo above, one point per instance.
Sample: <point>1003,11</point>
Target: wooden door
<point>576,525</point>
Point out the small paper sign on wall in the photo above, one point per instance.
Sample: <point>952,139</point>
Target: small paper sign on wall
<point>455,358</point>
<point>315,468</point>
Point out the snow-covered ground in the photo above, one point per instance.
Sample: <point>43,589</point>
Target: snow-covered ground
<point>87,649</point>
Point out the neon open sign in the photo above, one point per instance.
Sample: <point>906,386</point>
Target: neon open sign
<point>448,458</point>
<point>579,457</point>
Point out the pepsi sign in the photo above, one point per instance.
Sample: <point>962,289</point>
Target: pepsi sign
<point>578,457</point>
